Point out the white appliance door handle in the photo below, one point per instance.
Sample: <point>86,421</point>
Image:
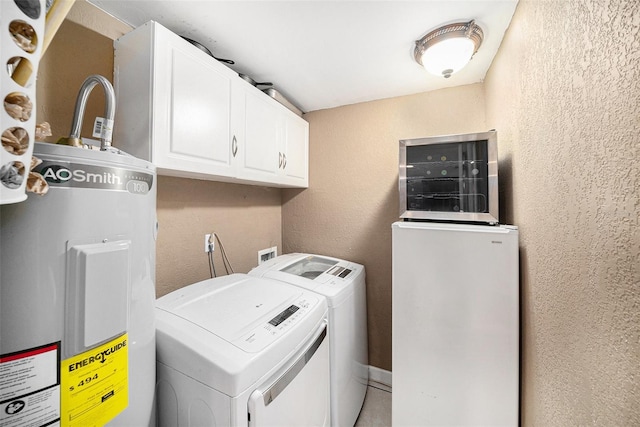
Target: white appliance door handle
<point>281,383</point>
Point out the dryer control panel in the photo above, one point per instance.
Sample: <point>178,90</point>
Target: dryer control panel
<point>276,326</point>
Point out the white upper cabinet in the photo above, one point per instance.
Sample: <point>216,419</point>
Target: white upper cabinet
<point>194,117</point>
<point>173,104</point>
<point>199,129</point>
<point>274,140</point>
<point>295,150</point>
<point>259,135</point>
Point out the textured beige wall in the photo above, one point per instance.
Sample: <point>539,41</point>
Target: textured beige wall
<point>74,54</point>
<point>353,198</point>
<point>246,218</point>
<point>564,93</point>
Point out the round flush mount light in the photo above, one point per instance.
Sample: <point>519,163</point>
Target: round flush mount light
<point>449,48</point>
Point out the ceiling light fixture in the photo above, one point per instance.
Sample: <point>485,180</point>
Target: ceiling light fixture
<point>447,49</point>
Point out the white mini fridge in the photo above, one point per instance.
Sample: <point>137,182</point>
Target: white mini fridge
<point>455,344</point>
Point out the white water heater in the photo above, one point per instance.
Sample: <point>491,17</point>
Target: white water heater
<point>77,293</point>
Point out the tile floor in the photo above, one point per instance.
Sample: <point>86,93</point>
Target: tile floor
<point>376,410</point>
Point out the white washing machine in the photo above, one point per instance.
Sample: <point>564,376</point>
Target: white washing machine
<point>242,351</point>
<point>343,284</point>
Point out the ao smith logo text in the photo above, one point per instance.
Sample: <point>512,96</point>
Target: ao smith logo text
<point>63,174</point>
<point>98,357</point>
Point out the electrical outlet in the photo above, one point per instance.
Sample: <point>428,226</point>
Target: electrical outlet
<point>208,243</point>
<point>267,254</point>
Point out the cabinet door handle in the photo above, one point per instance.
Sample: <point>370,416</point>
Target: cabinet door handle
<point>279,160</point>
<point>284,160</point>
<point>234,146</point>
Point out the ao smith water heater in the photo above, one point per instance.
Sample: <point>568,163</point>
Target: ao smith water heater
<point>77,294</point>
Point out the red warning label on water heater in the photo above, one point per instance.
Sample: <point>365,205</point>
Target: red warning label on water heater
<point>30,387</point>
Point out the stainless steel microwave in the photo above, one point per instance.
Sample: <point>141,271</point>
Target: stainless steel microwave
<point>450,178</point>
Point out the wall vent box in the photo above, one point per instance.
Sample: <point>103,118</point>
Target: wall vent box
<point>267,254</point>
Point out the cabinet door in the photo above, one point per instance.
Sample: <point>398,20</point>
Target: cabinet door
<point>258,159</point>
<point>295,151</point>
<point>191,120</point>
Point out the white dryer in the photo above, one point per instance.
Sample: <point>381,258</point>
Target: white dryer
<point>343,284</point>
<point>242,351</point>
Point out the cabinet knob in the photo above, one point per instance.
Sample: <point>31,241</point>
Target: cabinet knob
<point>234,146</point>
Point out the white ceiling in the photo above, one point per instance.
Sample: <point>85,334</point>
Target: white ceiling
<point>323,54</point>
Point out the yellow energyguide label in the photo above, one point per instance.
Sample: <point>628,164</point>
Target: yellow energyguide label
<point>95,384</point>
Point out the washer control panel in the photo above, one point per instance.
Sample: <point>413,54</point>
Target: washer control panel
<point>284,315</point>
<point>279,324</point>
<point>339,271</point>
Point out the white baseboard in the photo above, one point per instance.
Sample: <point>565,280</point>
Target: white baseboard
<point>379,378</point>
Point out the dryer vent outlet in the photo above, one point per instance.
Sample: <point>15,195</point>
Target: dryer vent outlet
<point>267,254</point>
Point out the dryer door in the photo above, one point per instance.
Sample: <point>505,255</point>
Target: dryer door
<point>299,393</point>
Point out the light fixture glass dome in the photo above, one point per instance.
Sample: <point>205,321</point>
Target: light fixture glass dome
<point>448,56</point>
<point>448,49</point>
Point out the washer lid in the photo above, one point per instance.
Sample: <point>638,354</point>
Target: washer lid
<point>230,309</point>
<point>230,331</point>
